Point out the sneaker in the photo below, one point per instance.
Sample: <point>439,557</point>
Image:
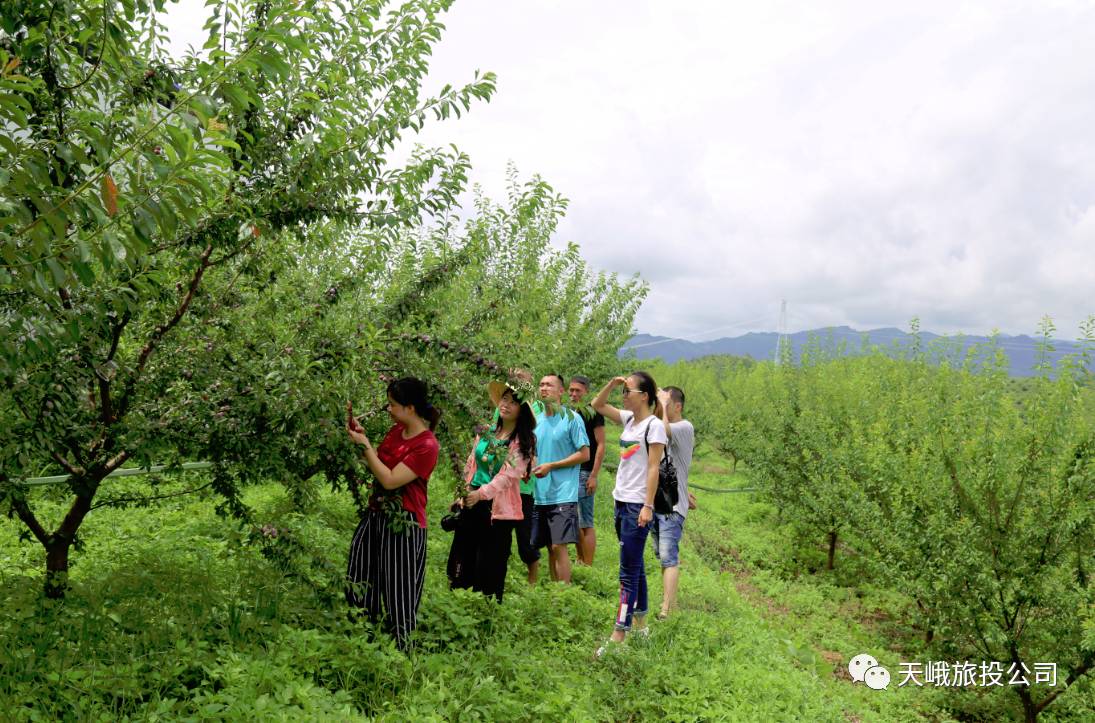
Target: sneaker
<point>643,632</point>
<point>605,648</point>
<point>661,617</point>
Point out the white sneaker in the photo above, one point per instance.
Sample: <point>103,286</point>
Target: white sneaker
<point>605,648</point>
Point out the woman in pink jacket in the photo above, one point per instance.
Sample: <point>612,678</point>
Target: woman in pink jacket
<point>499,460</point>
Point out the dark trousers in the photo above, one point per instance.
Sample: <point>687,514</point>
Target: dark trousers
<point>529,553</point>
<point>386,573</point>
<point>632,569</point>
<point>479,556</point>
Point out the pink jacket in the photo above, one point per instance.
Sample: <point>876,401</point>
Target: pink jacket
<point>505,488</point>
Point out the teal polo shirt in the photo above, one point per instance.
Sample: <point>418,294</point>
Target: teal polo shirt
<point>557,437</point>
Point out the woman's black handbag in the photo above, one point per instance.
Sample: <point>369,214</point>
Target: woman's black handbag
<point>668,493</point>
<point>451,521</point>
<point>456,522</point>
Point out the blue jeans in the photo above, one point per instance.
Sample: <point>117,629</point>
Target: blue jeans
<point>666,537</point>
<point>585,501</point>
<point>632,570</point>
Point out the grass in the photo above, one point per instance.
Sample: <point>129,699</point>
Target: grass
<point>177,614</point>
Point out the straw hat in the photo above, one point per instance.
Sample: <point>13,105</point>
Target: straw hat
<point>496,390</point>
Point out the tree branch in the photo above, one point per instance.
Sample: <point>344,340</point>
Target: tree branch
<point>161,330</point>
<point>115,462</point>
<point>19,403</point>
<point>106,406</point>
<point>66,531</point>
<point>1024,474</point>
<point>180,311</point>
<point>106,411</point>
<point>99,59</point>
<point>69,467</point>
<point>965,504</point>
<point>22,509</point>
<point>233,254</point>
<point>116,334</point>
<point>1086,664</point>
<point>124,500</point>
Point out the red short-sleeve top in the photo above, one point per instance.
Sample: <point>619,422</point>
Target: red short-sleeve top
<point>419,453</point>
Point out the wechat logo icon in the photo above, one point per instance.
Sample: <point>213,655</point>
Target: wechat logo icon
<point>865,669</point>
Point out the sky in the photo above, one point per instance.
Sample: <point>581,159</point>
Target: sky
<point>867,162</point>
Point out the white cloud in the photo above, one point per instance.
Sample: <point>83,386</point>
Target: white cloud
<point>866,161</point>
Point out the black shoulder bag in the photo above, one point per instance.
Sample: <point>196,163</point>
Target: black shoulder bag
<point>668,494</point>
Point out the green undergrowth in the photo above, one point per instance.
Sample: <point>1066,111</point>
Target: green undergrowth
<point>175,613</point>
<point>835,614</point>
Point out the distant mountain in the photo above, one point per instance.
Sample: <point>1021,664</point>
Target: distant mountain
<point>1022,350</point>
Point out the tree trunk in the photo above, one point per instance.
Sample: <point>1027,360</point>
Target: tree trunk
<point>929,632</point>
<point>57,567</point>
<point>58,544</point>
<point>1030,711</point>
<point>832,550</point>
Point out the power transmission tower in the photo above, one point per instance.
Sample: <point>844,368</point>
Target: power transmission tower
<point>782,341</point>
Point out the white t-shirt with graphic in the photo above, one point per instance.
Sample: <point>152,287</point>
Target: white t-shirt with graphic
<point>631,474</point>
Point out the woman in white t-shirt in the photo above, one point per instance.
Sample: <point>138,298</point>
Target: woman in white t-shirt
<point>642,443</point>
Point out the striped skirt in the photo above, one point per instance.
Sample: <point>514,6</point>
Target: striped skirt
<point>386,573</point>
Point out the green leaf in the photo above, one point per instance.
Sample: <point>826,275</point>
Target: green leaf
<point>84,272</point>
<point>204,107</point>
<point>59,275</point>
<point>117,250</point>
<point>240,99</point>
<point>144,226</point>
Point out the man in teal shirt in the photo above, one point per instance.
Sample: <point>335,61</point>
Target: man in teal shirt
<point>561,447</point>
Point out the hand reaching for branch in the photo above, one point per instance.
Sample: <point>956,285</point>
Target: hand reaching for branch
<point>354,428</point>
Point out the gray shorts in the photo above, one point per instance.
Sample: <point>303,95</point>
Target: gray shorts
<point>555,524</point>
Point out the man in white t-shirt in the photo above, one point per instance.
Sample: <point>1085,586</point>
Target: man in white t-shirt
<point>668,529</point>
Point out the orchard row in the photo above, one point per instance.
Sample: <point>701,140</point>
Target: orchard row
<point>949,482</point>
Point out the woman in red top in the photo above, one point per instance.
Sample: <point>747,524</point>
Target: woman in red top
<point>388,561</point>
